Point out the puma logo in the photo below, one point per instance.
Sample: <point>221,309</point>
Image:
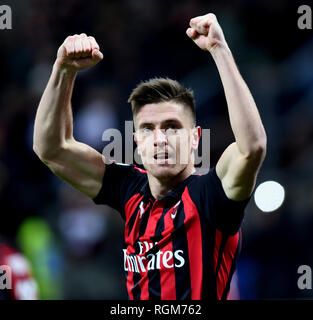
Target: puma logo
<point>142,209</point>
<point>174,212</point>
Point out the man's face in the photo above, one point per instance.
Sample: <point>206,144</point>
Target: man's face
<point>166,138</point>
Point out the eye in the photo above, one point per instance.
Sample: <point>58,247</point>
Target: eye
<point>172,128</point>
<point>146,130</point>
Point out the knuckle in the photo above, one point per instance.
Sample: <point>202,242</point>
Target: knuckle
<point>92,40</point>
<point>70,42</point>
<point>77,50</point>
<point>78,43</point>
<point>94,45</point>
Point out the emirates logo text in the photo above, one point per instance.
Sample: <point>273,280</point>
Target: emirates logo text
<point>161,259</point>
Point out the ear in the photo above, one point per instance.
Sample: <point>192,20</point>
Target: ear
<point>135,137</point>
<point>196,134</point>
<point>137,142</point>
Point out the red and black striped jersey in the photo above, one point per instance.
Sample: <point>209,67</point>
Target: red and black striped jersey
<point>181,246</point>
<point>16,278</point>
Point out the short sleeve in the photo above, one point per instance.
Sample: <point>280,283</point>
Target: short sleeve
<point>119,183</point>
<point>225,213</point>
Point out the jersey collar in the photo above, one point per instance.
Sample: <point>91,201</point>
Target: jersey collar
<point>175,193</point>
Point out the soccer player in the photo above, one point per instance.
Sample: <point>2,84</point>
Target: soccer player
<point>182,230</point>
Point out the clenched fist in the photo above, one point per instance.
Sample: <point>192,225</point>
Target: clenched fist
<point>206,32</point>
<point>78,52</point>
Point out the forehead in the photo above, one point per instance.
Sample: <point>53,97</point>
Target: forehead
<point>162,111</point>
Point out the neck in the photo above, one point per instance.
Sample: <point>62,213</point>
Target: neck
<point>160,187</point>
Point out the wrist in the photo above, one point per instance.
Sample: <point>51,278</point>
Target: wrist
<point>219,48</point>
<point>63,69</point>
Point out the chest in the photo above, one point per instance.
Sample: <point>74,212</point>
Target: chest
<point>155,225</point>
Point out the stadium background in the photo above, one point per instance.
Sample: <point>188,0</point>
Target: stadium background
<point>74,246</point>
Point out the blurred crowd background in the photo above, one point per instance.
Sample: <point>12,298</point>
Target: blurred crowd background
<point>75,247</point>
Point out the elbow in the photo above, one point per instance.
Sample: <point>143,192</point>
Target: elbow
<point>47,155</point>
<point>37,150</point>
<point>257,151</point>
<point>38,145</point>
<point>41,154</point>
<point>260,151</point>
<point>262,144</point>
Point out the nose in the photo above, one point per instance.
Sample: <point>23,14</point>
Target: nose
<point>159,137</point>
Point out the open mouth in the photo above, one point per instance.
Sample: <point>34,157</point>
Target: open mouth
<point>160,156</point>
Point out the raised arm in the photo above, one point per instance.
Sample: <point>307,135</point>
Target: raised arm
<point>238,166</point>
<point>74,162</point>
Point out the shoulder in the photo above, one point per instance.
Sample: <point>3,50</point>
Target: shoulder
<point>119,182</point>
<point>123,171</point>
<point>208,186</point>
<point>206,179</point>
<point>226,214</point>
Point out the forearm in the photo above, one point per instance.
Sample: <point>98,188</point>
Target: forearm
<point>54,120</point>
<point>243,113</point>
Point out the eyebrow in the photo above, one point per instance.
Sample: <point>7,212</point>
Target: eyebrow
<point>167,121</point>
